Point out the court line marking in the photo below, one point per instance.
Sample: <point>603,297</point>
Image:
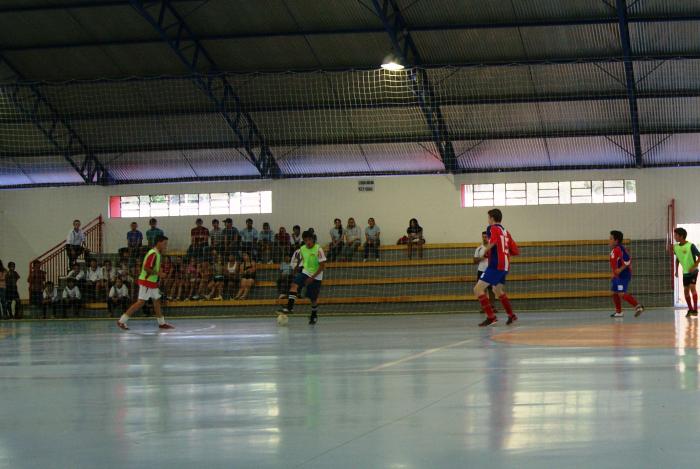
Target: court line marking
<point>172,332</point>
<point>424,353</point>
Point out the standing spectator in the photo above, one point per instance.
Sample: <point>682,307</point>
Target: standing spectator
<point>118,297</point>
<point>351,238</point>
<point>296,238</point>
<point>281,245</point>
<point>72,298</point>
<point>153,232</point>
<point>415,238</point>
<point>49,298</point>
<point>75,243</point>
<point>265,238</point>
<point>199,241</point>
<point>11,293</point>
<point>481,258</point>
<point>246,270</point>
<point>36,279</point>
<point>231,239</point>
<point>249,238</point>
<point>94,283</point>
<point>372,241</point>
<point>134,242</point>
<point>217,236</point>
<point>3,287</point>
<point>336,245</point>
<point>284,279</point>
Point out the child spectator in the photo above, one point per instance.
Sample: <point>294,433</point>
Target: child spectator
<point>177,278</point>
<point>153,232</point>
<point>246,270</point>
<point>94,283</point>
<point>36,279</point>
<point>123,272</point>
<point>231,239</point>
<point>166,281</point>
<point>76,273</point>
<point>50,298</point>
<point>231,276</point>
<point>72,299</point>
<point>281,245</point>
<point>75,243</point>
<point>118,297</point>
<point>284,279</point>
<point>249,238</point>
<point>3,286</point>
<point>415,238</point>
<point>217,289</point>
<point>216,235</point>
<point>199,246</point>
<point>336,246</point>
<point>192,279</point>
<point>109,274</point>
<point>351,238</point>
<point>296,237</point>
<point>372,242</point>
<point>134,241</point>
<point>124,256</point>
<point>265,238</point>
<point>133,277</point>
<point>205,279</point>
<point>11,293</point>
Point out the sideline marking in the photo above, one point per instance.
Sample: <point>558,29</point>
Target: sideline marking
<point>419,355</point>
<point>172,332</point>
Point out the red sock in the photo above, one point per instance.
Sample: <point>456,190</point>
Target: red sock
<point>506,305</point>
<point>618,303</point>
<point>630,299</point>
<point>486,306</point>
<point>688,300</point>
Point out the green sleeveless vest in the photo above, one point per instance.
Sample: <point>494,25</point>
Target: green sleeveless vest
<point>153,278</point>
<point>310,258</point>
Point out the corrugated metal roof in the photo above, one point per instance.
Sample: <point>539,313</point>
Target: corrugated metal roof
<point>667,114</point>
<point>662,149</point>
<point>679,37</point>
<point>649,8</point>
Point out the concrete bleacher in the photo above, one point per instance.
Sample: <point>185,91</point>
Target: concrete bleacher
<point>545,276</point>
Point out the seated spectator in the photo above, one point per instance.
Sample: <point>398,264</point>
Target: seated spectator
<point>352,239</point>
<point>415,239</point>
<point>124,256</point>
<point>372,242</point>
<point>118,298</point>
<point>133,277</point>
<point>246,271</point>
<point>205,280</point>
<point>177,278</point>
<point>153,232</point>
<point>166,281</point>
<point>249,239</point>
<point>199,247</point>
<point>36,279</point>
<point>282,244</point>
<point>3,285</point>
<point>109,274</point>
<point>216,235</point>
<point>94,282</point>
<point>50,299</point>
<point>335,248</point>
<point>216,285</point>
<point>265,239</point>
<point>72,298</point>
<point>76,243</point>
<point>123,273</point>
<point>284,279</point>
<point>231,239</point>
<point>296,238</point>
<point>192,280</point>
<point>231,279</point>
<point>134,242</point>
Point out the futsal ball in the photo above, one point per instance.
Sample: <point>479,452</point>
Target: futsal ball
<point>282,319</point>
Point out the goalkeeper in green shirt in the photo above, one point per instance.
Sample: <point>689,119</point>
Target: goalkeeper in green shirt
<point>688,256</point>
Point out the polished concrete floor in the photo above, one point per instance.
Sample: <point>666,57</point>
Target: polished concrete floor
<point>353,392</point>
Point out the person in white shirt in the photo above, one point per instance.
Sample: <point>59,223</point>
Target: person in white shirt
<point>351,238</point>
<point>94,281</point>
<point>76,274</point>
<point>118,296</point>
<point>109,274</point>
<point>75,243</point>
<point>72,299</point>
<point>481,258</point>
<point>49,298</point>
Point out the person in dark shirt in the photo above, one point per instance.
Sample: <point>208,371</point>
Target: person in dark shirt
<point>11,292</point>
<point>134,241</point>
<point>231,239</point>
<point>199,247</point>
<point>36,279</point>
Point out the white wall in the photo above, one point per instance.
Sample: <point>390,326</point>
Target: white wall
<point>35,219</point>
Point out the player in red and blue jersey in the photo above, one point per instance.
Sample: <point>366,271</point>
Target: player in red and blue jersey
<point>500,247</point>
<point>621,266</point>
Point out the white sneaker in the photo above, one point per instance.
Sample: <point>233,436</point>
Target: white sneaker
<point>364,260</point>
<point>617,315</point>
<point>377,259</point>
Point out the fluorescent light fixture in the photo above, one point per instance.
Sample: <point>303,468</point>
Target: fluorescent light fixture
<point>393,66</point>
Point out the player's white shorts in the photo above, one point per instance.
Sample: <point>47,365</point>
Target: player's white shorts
<point>146,293</point>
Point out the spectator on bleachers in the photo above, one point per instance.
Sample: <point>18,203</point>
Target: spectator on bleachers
<point>166,281</point>
<point>118,297</point>
<point>284,279</point>
<point>231,276</point>
<point>14,306</point>
<point>94,282</point>
<point>296,238</point>
<point>352,239</point>
<point>335,247</point>
<point>246,271</point>
<point>109,274</point>
<point>133,277</point>
<point>249,239</point>
<point>123,254</point>
<point>123,272</point>
<point>282,244</point>
<point>134,242</point>
<point>372,241</point>
<point>72,298</point>
<point>415,238</point>
<point>217,290</point>
<point>36,279</point>
<point>77,274</point>
<point>3,286</point>
<point>199,246</point>
<point>265,239</point>
<point>231,239</point>
<point>153,232</point>
<point>75,243</point>
<point>205,279</point>
<point>192,279</point>
<point>216,235</point>
<point>50,299</point>
<point>177,278</point>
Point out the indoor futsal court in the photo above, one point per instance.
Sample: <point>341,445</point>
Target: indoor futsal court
<point>349,234</point>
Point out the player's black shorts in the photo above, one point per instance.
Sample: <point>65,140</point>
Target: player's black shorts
<point>690,279</point>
